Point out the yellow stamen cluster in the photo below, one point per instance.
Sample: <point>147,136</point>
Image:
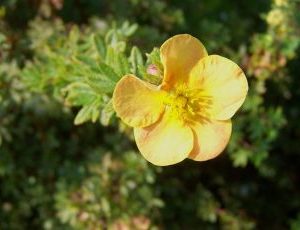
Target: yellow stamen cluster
<point>188,104</point>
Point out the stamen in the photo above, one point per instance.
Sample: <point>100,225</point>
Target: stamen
<point>189,105</point>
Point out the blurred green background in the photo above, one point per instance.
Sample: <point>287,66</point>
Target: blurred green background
<point>57,175</point>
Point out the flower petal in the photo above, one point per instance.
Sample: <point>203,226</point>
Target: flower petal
<point>179,55</point>
<point>210,139</point>
<point>136,102</point>
<point>166,142</point>
<point>224,81</point>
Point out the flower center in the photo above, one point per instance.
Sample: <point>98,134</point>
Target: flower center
<point>180,101</point>
<point>188,105</point>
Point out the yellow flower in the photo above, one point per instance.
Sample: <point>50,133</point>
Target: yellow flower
<point>281,2</point>
<point>275,17</point>
<point>188,115</point>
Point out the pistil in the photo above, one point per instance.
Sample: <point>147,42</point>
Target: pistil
<point>187,105</point>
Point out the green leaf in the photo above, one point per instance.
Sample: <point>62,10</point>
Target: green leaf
<point>100,83</point>
<point>123,64</point>
<point>79,94</point>
<point>136,60</point>
<point>100,45</point>
<point>88,112</point>
<point>83,115</point>
<point>111,37</point>
<point>118,61</point>
<point>91,62</point>
<point>74,36</point>
<point>108,71</point>
<point>128,29</point>
<point>110,56</point>
<point>119,47</point>
<point>240,158</point>
<point>107,113</point>
<point>2,38</point>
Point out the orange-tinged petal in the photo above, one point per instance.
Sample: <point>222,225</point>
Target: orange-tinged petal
<point>210,139</point>
<point>179,55</point>
<point>224,81</point>
<point>136,102</point>
<point>166,142</point>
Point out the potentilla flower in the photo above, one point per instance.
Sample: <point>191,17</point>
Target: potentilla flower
<point>275,17</point>
<point>188,115</point>
<point>281,2</point>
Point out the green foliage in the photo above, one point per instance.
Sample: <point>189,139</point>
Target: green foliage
<point>59,64</point>
<point>83,67</point>
<point>108,187</point>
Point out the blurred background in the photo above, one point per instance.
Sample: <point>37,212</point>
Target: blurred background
<point>57,175</point>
